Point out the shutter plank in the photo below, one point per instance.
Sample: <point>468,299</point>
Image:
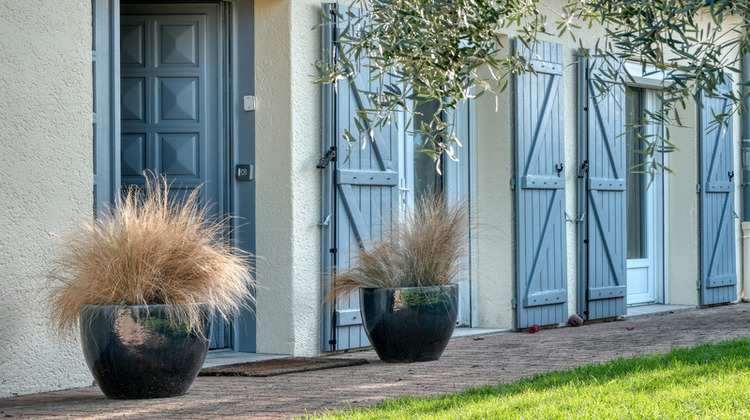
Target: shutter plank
<point>540,197</point>
<point>366,199</point>
<point>718,269</point>
<point>605,271</point>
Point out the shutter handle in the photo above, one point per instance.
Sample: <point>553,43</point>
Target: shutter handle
<point>559,168</point>
<point>731,175</point>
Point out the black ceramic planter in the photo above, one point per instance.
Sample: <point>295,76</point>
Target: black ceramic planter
<point>134,351</point>
<point>409,324</point>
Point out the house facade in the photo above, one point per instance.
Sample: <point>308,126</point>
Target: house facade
<point>220,93</point>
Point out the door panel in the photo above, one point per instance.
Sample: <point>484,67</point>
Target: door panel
<point>644,198</point>
<point>542,294</point>
<point>171,109</point>
<point>718,269</point>
<point>364,177</point>
<point>604,169</point>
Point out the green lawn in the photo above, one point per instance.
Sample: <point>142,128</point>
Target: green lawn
<point>706,382</point>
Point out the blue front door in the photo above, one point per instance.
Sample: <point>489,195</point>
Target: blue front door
<point>171,107</point>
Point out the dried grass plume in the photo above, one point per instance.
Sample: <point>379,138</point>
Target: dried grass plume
<point>427,248</point>
<point>150,249</point>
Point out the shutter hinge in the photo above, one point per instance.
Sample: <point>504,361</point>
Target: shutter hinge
<point>332,250</point>
<point>513,183</point>
<point>584,169</point>
<point>327,158</point>
<point>332,342</point>
<point>699,285</point>
<point>697,187</point>
<point>514,303</point>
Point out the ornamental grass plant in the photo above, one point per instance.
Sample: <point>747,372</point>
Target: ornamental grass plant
<point>151,249</point>
<point>426,248</point>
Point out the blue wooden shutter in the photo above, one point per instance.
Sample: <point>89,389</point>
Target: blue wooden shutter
<point>365,193</point>
<point>718,270</point>
<point>105,56</point>
<point>603,151</point>
<point>542,291</point>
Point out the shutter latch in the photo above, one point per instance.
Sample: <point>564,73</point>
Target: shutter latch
<point>329,156</point>
<point>584,169</point>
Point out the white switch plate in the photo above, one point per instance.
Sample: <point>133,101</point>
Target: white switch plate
<point>248,103</point>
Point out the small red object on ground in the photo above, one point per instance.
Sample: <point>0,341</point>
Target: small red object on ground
<point>534,328</point>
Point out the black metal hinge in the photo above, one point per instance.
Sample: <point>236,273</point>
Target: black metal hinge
<point>332,342</point>
<point>327,158</point>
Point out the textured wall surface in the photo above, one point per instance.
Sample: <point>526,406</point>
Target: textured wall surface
<point>684,216</point>
<point>496,277</point>
<point>45,181</point>
<point>495,253</point>
<point>288,144</point>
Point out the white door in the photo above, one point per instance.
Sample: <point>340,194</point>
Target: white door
<point>418,174</point>
<point>645,204</point>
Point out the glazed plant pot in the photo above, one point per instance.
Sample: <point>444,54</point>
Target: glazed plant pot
<point>409,324</point>
<point>135,352</point>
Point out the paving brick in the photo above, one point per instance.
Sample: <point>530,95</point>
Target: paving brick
<point>466,363</point>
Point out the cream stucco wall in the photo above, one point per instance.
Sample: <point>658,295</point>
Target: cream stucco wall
<point>45,181</point>
<point>288,186</point>
<point>683,217</point>
<point>495,252</point>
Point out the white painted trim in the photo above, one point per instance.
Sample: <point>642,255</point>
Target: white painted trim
<point>455,186</point>
<point>655,223</point>
<point>473,214</point>
<point>665,229</point>
<point>637,77</point>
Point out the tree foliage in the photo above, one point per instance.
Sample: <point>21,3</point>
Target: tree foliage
<point>447,51</point>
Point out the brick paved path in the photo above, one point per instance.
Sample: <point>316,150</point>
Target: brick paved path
<point>466,363</point>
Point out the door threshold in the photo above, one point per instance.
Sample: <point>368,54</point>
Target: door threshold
<point>231,357</point>
<point>655,309</point>
<point>467,332</point>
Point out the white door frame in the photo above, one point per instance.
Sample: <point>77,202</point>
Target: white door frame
<point>653,266</point>
<point>459,183</point>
